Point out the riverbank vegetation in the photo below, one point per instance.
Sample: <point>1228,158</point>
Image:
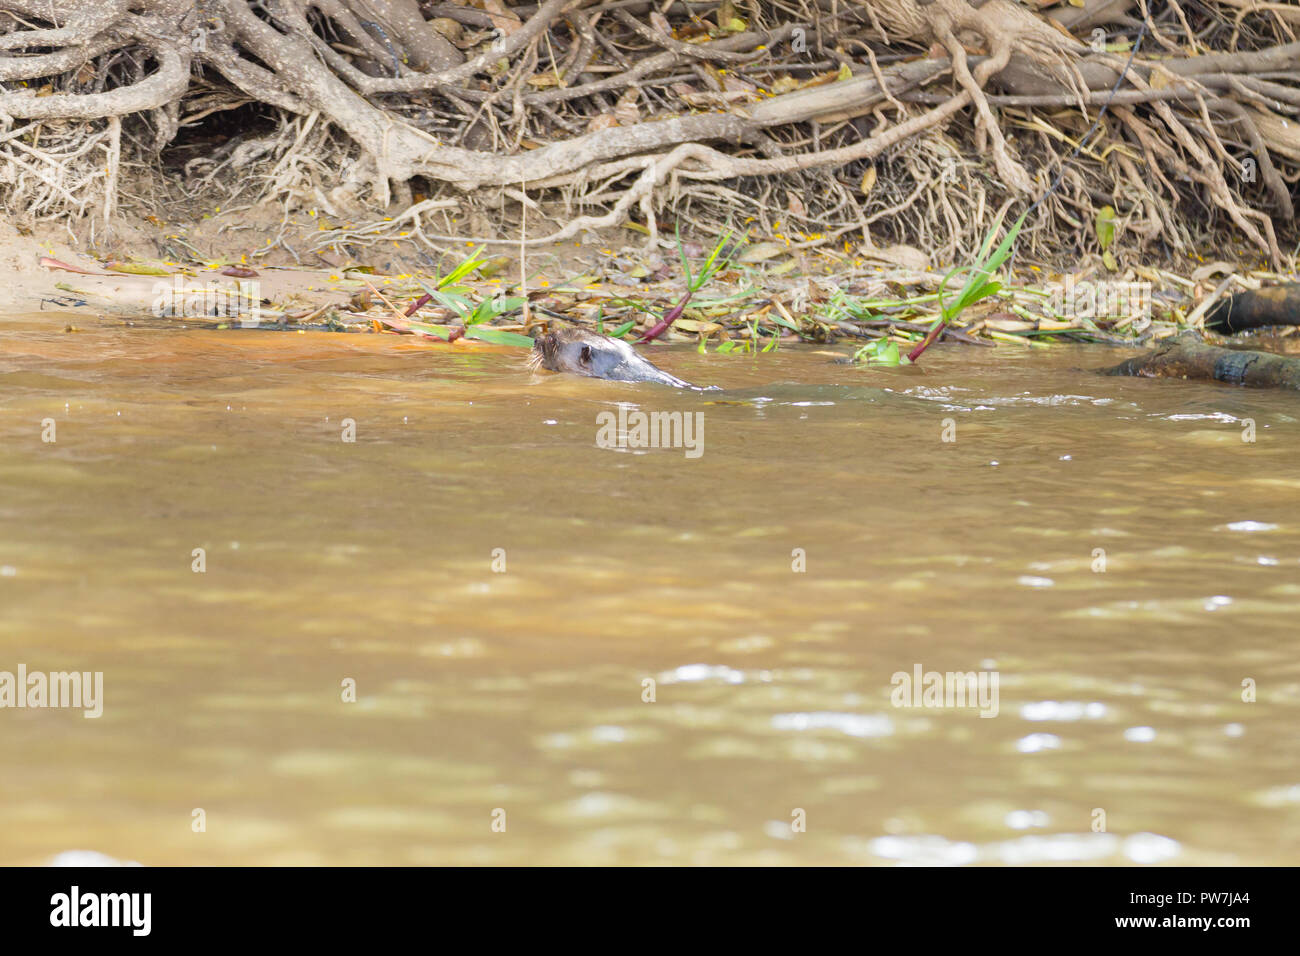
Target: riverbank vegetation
<point>852,154</point>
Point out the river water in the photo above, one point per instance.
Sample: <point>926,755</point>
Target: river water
<point>474,635</point>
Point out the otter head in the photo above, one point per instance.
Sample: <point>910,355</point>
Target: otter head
<point>575,350</point>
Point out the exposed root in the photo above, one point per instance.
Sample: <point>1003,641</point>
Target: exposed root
<point>822,120</point>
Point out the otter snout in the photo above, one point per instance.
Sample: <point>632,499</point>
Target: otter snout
<point>580,352</point>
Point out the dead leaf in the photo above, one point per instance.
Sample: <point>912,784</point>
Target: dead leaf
<point>507,21</point>
<point>449,28</point>
<point>57,264</point>
<point>625,110</point>
<point>494,265</point>
<point>1210,269</point>
<point>820,80</point>
<point>909,257</point>
<point>735,84</point>
<point>868,180</point>
<point>692,325</point>
<point>137,268</point>
<point>762,251</point>
<point>1008,325</point>
<point>728,21</point>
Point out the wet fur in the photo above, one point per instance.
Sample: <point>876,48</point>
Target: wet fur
<point>581,352</point>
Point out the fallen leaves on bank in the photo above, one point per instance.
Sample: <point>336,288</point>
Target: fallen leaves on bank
<point>766,293</point>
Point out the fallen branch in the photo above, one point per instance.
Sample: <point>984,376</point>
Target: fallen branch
<point>1187,356</point>
<point>1273,306</point>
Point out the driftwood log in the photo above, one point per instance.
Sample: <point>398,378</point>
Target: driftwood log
<point>1278,305</point>
<point>1187,356</point>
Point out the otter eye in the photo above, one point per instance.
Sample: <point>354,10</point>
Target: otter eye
<point>586,355</point>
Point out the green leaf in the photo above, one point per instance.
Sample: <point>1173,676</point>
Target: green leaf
<point>879,352</point>
<point>681,254</point>
<point>440,331</point>
<point>1105,226</point>
<point>462,270</point>
<point>486,333</point>
<point>458,303</point>
<point>979,283</point>
<point>712,264</point>
<point>489,309</point>
<point>737,297</point>
<point>482,312</point>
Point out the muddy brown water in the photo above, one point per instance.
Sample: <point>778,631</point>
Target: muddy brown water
<point>515,695</point>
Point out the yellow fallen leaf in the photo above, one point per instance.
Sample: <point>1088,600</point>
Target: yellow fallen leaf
<point>1008,325</point>
<point>1104,223</point>
<point>137,269</point>
<point>868,180</point>
<point>692,325</point>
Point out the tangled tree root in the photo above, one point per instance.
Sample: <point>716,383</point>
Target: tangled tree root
<point>818,118</point>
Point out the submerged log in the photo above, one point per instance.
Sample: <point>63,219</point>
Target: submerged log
<point>1277,305</point>
<point>1187,356</point>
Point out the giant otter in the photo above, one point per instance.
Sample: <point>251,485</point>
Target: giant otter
<point>577,350</point>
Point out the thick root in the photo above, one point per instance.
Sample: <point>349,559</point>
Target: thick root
<point>617,105</point>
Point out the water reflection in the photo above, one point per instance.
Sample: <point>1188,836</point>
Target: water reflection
<point>639,658</point>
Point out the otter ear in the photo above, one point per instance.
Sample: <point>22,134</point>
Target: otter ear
<point>586,355</point>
